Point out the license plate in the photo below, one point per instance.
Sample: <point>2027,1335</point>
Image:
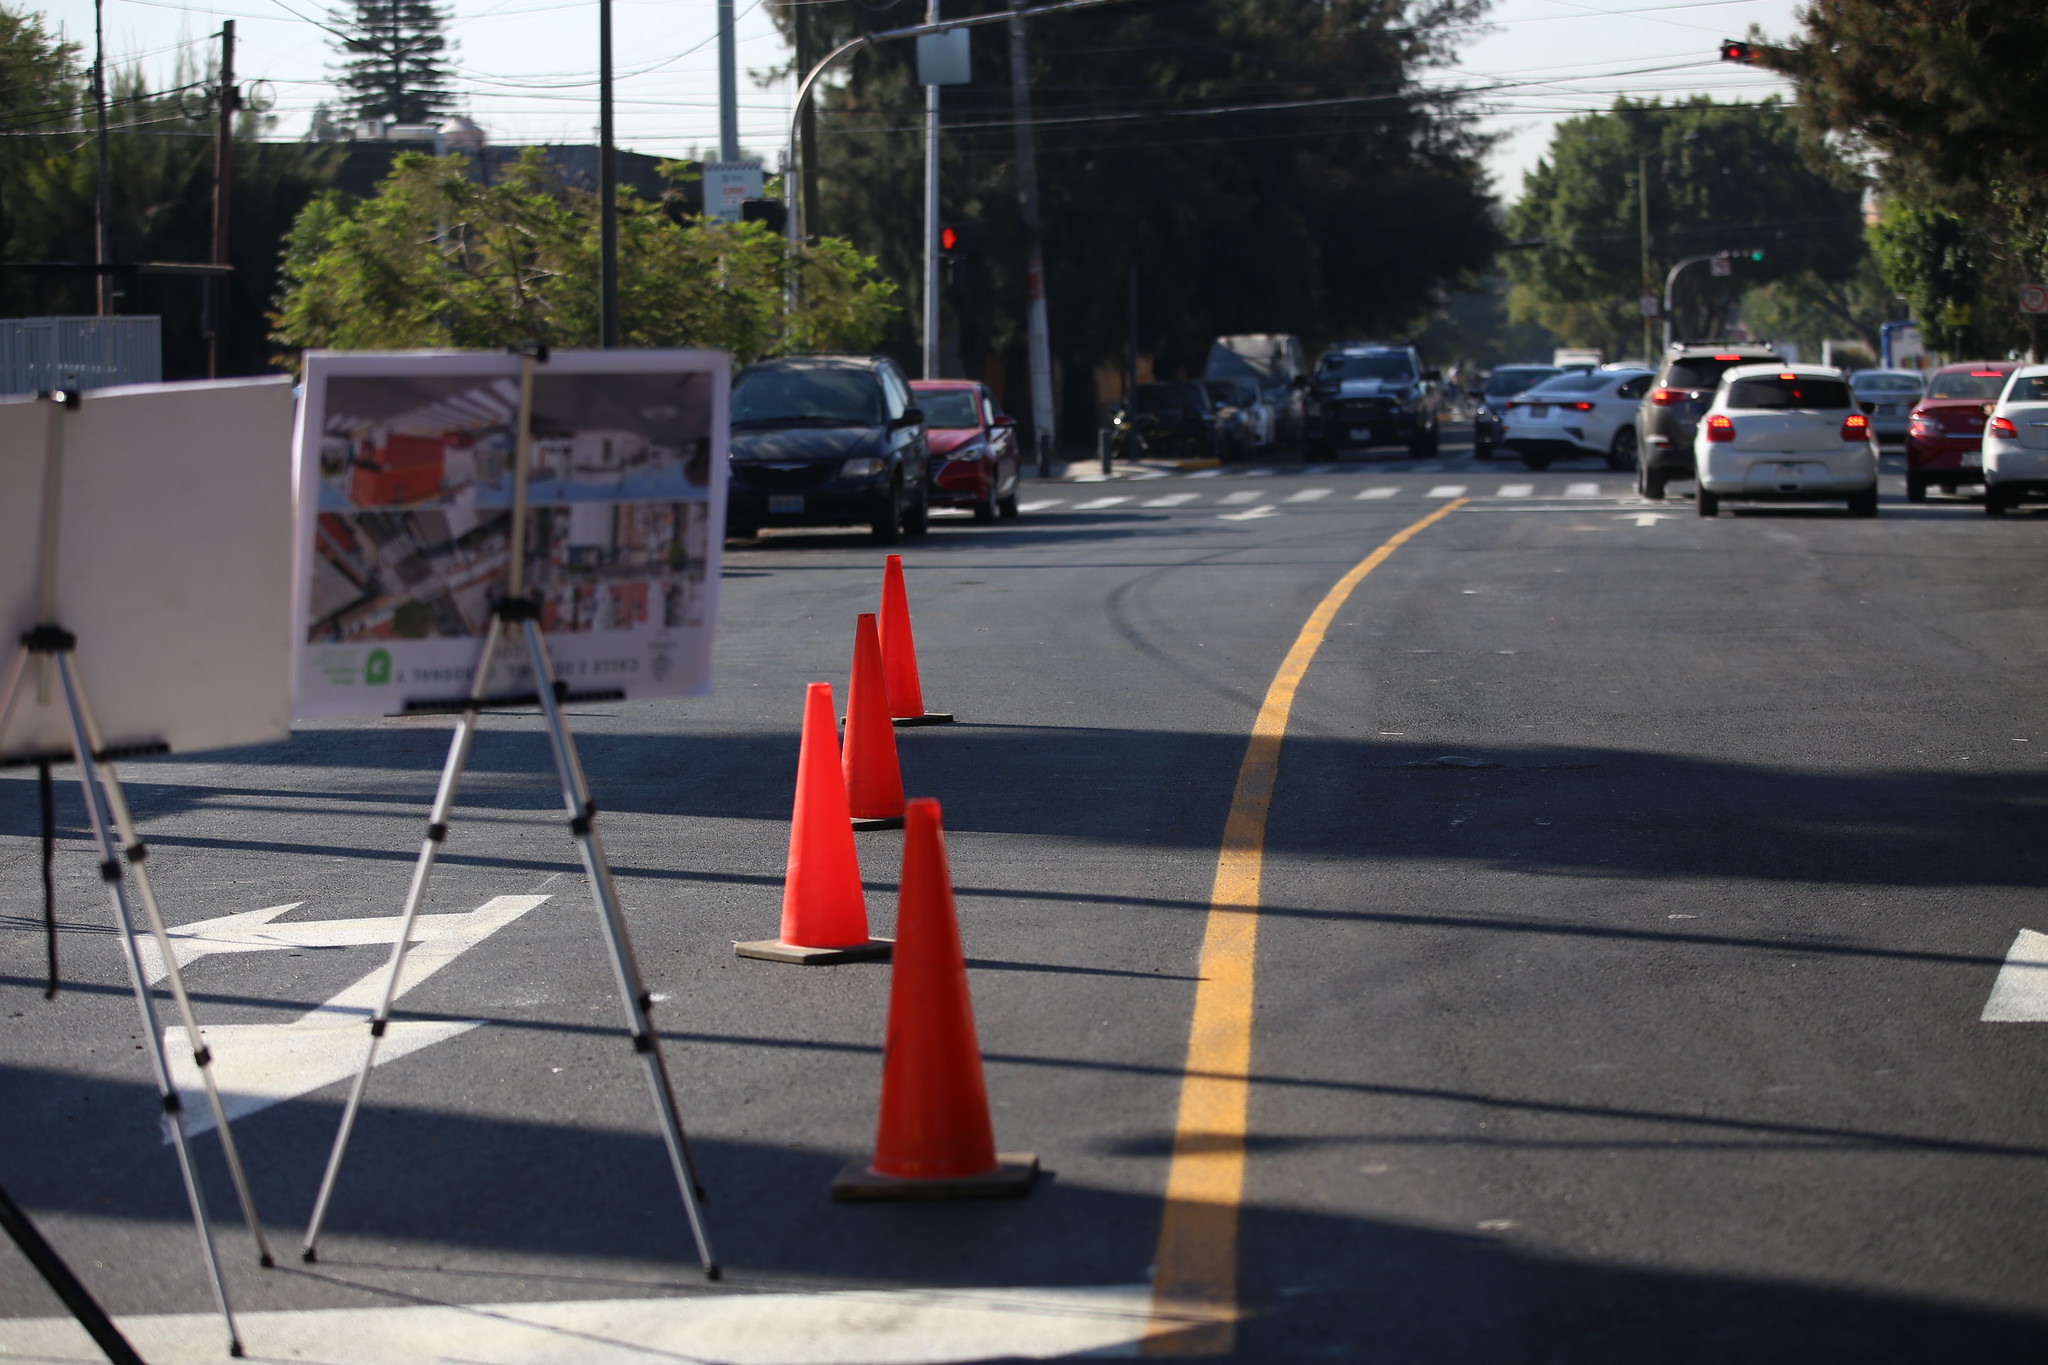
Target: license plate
<point>1361,433</point>
<point>1539,410</point>
<point>782,504</point>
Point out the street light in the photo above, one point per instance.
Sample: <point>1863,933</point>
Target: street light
<point>1671,280</point>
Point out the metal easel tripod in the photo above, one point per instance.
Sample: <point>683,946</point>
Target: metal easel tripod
<point>50,648</point>
<point>523,614</point>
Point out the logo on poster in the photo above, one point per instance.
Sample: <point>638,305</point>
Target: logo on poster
<point>377,668</point>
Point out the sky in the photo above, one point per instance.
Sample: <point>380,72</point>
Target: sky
<point>526,69</point>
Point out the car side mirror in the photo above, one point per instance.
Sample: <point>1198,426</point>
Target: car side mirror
<point>1004,419</point>
<point>912,417</point>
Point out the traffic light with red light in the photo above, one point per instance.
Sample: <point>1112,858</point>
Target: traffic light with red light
<point>949,240</point>
<point>1734,51</point>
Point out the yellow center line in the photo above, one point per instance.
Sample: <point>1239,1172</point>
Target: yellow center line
<point>1194,1285</point>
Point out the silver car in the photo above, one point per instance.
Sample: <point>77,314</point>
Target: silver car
<point>1887,398</point>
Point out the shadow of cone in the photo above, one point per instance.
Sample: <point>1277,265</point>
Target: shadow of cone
<point>899,653</point>
<point>874,782</point>
<point>933,1140</point>
<point>824,907</point>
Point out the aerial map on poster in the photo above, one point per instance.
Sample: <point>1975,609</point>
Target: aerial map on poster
<point>405,487</point>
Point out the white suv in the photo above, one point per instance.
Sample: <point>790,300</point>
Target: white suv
<point>2016,441</point>
<point>1785,433</point>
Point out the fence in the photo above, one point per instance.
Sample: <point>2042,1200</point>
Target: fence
<point>79,353</point>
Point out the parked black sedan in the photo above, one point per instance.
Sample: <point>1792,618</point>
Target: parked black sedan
<point>1161,421</point>
<point>826,440</point>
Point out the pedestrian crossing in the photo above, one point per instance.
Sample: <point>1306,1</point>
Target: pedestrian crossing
<point>1239,499</point>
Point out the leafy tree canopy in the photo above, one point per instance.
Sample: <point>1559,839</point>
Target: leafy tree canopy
<point>437,259</point>
<point>1719,178</point>
<point>396,64</point>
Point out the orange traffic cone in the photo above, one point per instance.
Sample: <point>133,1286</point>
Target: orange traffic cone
<point>874,782</point>
<point>933,1140</point>
<point>899,653</point>
<point>824,908</point>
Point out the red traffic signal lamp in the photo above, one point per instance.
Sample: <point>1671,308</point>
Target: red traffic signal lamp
<point>1734,51</point>
<point>949,240</point>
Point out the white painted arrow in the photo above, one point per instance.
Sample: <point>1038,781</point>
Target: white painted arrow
<point>258,1065</point>
<point>1259,513</point>
<point>1646,518</point>
<point>2020,995</point>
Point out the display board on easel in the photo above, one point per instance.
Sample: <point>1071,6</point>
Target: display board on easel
<point>404,463</point>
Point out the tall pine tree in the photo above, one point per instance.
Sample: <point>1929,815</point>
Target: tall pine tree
<point>396,64</point>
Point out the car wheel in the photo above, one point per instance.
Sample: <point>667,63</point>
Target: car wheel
<point>1916,487</point>
<point>1994,500</point>
<point>888,523</point>
<point>1650,482</point>
<point>1006,508</point>
<point>985,510</point>
<point>917,518</point>
<point>1536,462</point>
<point>1622,454</point>
<point>1709,504</point>
<point>1863,504</point>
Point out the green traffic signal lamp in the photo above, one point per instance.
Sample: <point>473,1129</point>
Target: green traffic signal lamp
<point>1756,255</point>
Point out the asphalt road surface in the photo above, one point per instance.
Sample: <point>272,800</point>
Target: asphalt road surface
<point>1630,896</point>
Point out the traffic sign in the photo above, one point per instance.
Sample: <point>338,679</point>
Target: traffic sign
<point>2034,298</point>
<point>1723,266</point>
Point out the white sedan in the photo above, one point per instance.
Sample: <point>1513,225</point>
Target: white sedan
<point>2016,442</point>
<point>1574,415</point>
<point>1785,433</point>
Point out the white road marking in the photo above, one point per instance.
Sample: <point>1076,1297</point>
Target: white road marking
<point>1259,473</point>
<point>1446,490</point>
<point>1170,500</point>
<point>1147,474</point>
<point>1320,469</point>
<point>2020,995</point>
<point>1582,490</point>
<point>1251,514</point>
<point>1309,495</point>
<point>1515,490</point>
<point>1089,478</point>
<point>1372,493</point>
<point>1647,518</point>
<point>1040,505</point>
<point>1205,473</point>
<point>1238,499</point>
<point>258,1065</point>
<point>1097,504</point>
<point>873,1327</point>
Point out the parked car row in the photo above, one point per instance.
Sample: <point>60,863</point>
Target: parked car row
<point>832,440</point>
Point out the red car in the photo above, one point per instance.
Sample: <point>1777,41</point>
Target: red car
<point>973,448</point>
<point>1945,434</point>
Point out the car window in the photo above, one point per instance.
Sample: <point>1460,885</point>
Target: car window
<point>896,391</point>
<point>1885,383</point>
<point>1368,367</point>
<point>949,409</point>
<point>1634,388</point>
<point>775,395</point>
<point>1966,384</point>
<point>1788,393</point>
<point>2031,388</point>
<point>1705,371</point>
<point>1506,383</point>
<point>1585,382</point>
<point>988,409</point>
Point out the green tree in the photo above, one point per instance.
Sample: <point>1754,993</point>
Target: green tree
<point>437,259</point>
<point>1719,177</point>
<point>396,60</point>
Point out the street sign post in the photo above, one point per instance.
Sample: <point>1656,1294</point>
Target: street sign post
<point>2034,299</point>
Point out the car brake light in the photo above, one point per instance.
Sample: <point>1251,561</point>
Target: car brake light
<point>1987,374</point>
<point>1788,375</point>
<point>1577,407</point>
<point>2002,426</point>
<point>1727,357</point>
<point>1855,427</point>
<point>1510,405</point>
<point>1664,398</point>
<point>1720,427</point>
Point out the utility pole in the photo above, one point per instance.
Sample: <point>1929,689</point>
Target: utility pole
<point>728,86</point>
<point>931,216</point>
<point>1643,240</point>
<point>607,189</point>
<point>1130,333</point>
<point>223,197</point>
<point>103,197</point>
<point>1037,335</point>
<point>806,134</point>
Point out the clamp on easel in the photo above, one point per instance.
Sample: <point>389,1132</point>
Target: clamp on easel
<point>519,612</point>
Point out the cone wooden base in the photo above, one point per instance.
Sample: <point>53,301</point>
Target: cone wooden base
<point>889,822</point>
<point>928,718</point>
<point>1013,1177</point>
<point>775,950</point>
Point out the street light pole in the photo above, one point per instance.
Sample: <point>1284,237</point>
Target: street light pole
<point>931,215</point>
<point>1037,335</point>
<point>728,86</point>
<point>607,189</point>
<point>1643,240</point>
<point>1671,284</point>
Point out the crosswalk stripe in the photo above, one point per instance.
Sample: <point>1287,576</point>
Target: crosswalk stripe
<point>1097,504</point>
<point>1371,493</point>
<point>1447,490</point>
<point>1170,500</point>
<point>1515,490</point>
<point>1237,499</point>
<point>1320,469</point>
<point>1582,490</point>
<point>1040,505</point>
<point>1205,473</point>
<point>1309,495</point>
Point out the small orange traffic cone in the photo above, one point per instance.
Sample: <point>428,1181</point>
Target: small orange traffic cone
<point>933,1140</point>
<point>824,908</point>
<point>899,653</point>
<point>874,782</point>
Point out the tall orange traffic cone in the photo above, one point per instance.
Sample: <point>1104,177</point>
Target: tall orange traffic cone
<point>824,908</point>
<point>874,782</point>
<point>899,653</point>
<point>933,1140</point>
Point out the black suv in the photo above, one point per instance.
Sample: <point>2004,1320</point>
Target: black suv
<point>1678,398</point>
<point>1161,421</point>
<point>826,440</point>
<point>1366,393</point>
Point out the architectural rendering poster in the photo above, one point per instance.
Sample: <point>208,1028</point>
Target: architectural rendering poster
<point>405,484</point>
<point>174,552</point>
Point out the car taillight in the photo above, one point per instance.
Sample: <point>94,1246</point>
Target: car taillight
<point>1577,407</point>
<point>1855,427</point>
<point>1720,427</point>
<point>1509,406</point>
<point>2002,426</point>
<point>1664,398</point>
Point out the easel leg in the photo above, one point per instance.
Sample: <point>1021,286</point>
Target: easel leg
<point>90,780</point>
<point>202,1056</point>
<point>625,968</point>
<point>58,1276</point>
<point>415,896</point>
